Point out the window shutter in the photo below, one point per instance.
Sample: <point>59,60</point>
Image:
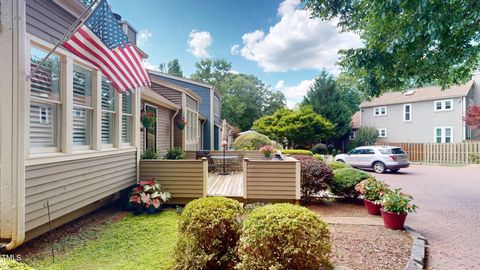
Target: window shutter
<point>43,125</point>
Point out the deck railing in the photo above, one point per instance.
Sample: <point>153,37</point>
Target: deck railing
<point>440,153</point>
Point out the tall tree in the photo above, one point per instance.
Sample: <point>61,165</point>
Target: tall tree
<point>172,67</point>
<point>335,99</point>
<point>245,98</point>
<point>299,128</point>
<point>407,42</point>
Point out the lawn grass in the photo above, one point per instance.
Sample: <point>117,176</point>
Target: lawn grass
<point>135,242</point>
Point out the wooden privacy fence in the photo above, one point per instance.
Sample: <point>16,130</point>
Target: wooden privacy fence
<point>271,180</point>
<point>184,179</point>
<point>440,153</point>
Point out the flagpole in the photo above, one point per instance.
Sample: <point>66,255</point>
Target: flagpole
<point>67,34</point>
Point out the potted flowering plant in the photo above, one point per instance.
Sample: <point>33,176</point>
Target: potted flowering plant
<point>372,191</point>
<point>266,150</point>
<point>395,207</point>
<point>148,195</point>
<point>181,124</point>
<point>148,119</point>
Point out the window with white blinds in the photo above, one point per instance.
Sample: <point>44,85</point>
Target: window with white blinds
<point>45,102</point>
<point>127,118</point>
<point>192,125</point>
<point>108,112</point>
<point>82,106</point>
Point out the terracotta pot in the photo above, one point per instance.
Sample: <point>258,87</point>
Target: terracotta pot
<point>393,220</point>
<point>372,208</point>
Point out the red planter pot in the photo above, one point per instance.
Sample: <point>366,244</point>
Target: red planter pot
<point>393,220</point>
<point>372,208</point>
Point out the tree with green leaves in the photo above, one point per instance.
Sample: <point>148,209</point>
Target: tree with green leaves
<point>245,98</point>
<point>335,100</point>
<point>408,42</point>
<point>172,67</point>
<point>299,128</point>
<point>364,136</point>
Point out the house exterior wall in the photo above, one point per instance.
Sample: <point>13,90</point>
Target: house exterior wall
<point>70,185</point>
<point>192,104</point>
<point>204,107</point>
<point>172,95</point>
<point>421,128</point>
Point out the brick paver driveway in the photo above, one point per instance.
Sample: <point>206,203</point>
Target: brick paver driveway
<point>448,214</point>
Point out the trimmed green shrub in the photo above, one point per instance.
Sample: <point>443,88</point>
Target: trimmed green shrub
<point>175,154</point>
<point>6,264</point>
<point>283,236</point>
<point>345,180</point>
<point>315,176</point>
<point>334,165</point>
<point>297,152</point>
<point>318,157</point>
<point>209,232</point>
<point>250,141</point>
<point>320,148</point>
<point>149,154</point>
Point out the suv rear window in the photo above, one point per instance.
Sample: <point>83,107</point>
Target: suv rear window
<point>394,151</point>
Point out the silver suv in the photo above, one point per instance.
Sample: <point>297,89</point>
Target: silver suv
<point>378,158</point>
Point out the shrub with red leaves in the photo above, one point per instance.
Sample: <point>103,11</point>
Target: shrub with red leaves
<point>315,176</point>
<point>472,118</point>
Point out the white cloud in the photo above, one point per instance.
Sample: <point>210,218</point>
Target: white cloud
<point>151,66</point>
<point>232,71</point>
<point>294,94</point>
<point>198,43</point>
<point>297,42</point>
<point>143,36</point>
<point>235,49</point>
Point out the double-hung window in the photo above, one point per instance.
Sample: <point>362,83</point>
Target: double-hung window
<point>382,132</point>
<point>45,103</point>
<point>82,107</point>
<point>380,111</point>
<point>407,113</point>
<point>443,134</point>
<point>108,113</point>
<point>127,118</point>
<point>443,105</point>
<point>192,125</point>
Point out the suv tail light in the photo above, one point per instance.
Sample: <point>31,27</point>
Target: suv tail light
<point>393,157</point>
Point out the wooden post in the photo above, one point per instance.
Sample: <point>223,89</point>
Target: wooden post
<point>245,172</point>
<point>205,176</point>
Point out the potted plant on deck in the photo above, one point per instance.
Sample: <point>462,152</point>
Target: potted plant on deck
<point>395,207</point>
<point>148,196</point>
<point>372,191</point>
<point>266,151</point>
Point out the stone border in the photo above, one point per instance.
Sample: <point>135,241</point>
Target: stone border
<point>417,258</point>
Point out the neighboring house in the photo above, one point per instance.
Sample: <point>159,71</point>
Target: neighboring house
<point>187,105</point>
<point>422,115</point>
<point>68,141</point>
<point>356,123</point>
<point>209,107</point>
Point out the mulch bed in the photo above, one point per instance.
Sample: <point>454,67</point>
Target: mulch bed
<point>354,246</point>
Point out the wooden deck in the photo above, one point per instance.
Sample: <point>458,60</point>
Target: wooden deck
<point>225,185</point>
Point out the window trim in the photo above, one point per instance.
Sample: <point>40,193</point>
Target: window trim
<point>194,126</point>
<point>443,102</point>
<point>379,132</point>
<point>405,112</point>
<point>380,111</point>
<point>442,137</point>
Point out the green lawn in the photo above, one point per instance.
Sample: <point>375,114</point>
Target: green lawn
<point>135,242</point>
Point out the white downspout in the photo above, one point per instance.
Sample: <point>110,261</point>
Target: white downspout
<point>18,118</point>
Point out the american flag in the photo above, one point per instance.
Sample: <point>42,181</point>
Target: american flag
<point>101,41</point>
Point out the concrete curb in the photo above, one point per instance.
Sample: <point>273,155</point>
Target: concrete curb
<point>417,258</point>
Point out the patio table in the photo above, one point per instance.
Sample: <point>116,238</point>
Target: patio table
<point>225,161</point>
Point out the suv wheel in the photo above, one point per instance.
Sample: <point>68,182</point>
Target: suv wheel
<point>379,167</point>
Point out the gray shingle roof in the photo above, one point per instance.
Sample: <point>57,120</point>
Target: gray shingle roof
<point>420,94</point>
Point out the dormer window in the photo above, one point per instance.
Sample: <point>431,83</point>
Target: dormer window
<point>380,111</point>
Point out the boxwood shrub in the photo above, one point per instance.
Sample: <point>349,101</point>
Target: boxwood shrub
<point>251,141</point>
<point>297,152</point>
<point>209,232</point>
<point>283,236</point>
<point>320,148</point>
<point>337,165</point>
<point>318,157</point>
<point>345,180</point>
<point>315,176</point>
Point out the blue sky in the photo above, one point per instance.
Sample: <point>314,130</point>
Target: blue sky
<point>274,40</point>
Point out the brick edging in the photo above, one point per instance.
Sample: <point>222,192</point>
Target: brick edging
<point>417,258</point>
